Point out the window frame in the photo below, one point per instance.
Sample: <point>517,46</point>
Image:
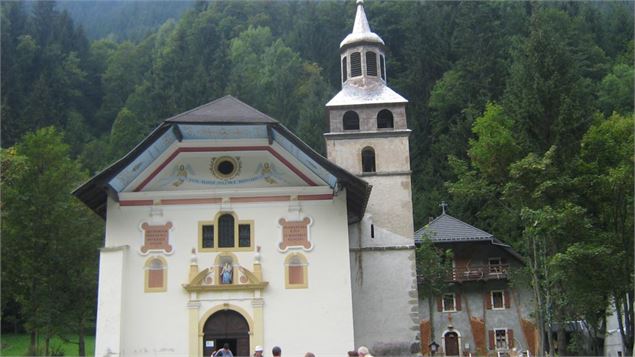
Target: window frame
<point>494,268</point>
<point>348,117</point>
<point>374,160</point>
<point>354,67</point>
<point>237,224</point>
<point>344,69</point>
<point>504,330</point>
<point>389,122</point>
<point>443,308</point>
<point>491,294</point>
<point>369,66</point>
<point>146,273</point>
<point>305,271</point>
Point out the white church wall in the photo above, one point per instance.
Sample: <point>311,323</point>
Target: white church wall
<point>318,318</point>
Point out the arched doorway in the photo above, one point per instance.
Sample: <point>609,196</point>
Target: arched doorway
<point>226,326</point>
<point>451,344</point>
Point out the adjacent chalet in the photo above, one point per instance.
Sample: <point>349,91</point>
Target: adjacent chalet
<point>479,313</point>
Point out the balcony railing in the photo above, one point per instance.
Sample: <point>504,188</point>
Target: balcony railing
<point>479,272</point>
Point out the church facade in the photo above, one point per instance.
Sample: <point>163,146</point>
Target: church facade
<point>223,227</point>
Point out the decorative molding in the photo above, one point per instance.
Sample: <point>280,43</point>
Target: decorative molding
<point>295,234</point>
<point>179,150</point>
<point>368,134</point>
<point>381,249</point>
<point>119,248</point>
<point>395,173</point>
<point>156,238</point>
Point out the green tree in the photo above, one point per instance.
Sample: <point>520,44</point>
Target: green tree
<point>45,236</point>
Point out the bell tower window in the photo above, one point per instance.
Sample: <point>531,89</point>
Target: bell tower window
<point>351,120</point>
<point>368,160</point>
<point>344,70</point>
<point>385,119</point>
<point>382,64</point>
<point>356,64</point>
<point>371,64</point>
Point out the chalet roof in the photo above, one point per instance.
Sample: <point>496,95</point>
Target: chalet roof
<point>448,229</point>
<point>203,123</point>
<point>223,110</point>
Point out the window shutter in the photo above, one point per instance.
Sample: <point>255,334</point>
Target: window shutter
<point>507,298</point>
<point>510,338</point>
<point>457,301</point>
<point>488,300</point>
<point>439,303</point>
<point>492,340</point>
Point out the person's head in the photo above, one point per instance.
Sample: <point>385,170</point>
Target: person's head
<point>362,351</point>
<point>258,351</point>
<point>309,354</point>
<point>276,351</point>
<point>226,346</point>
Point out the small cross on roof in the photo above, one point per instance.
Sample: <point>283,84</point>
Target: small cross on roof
<point>443,206</point>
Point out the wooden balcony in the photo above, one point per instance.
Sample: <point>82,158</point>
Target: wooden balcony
<point>479,272</point>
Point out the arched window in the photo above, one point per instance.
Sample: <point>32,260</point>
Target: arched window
<point>155,275</point>
<point>368,160</point>
<point>371,64</point>
<point>226,231</point>
<point>385,119</point>
<point>351,120</point>
<point>356,64</point>
<point>382,64</point>
<point>344,70</point>
<point>296,272</point>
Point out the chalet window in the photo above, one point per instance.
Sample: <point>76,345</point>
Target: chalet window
<point>501,338</point>
<point>495,265</point>
<point>368,160</point>
<point>385,119</point>
<point>350,120</point>
<point>344,70</point>
<point>356,64</point>
<point>449,303</point>
<point>371,64</point>
<point>382,64</point>
<point>498,299</point>
<point>296,274</point>
<point>155,275</point>
<point>225,233</point>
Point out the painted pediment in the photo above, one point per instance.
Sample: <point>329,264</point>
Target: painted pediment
<point>205,168</point>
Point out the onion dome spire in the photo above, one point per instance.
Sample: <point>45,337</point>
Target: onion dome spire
<point>361,30</point>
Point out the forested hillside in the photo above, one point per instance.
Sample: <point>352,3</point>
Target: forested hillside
<point>522,119</point>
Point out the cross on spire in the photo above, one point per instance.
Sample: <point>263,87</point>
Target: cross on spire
<point>443,206</point>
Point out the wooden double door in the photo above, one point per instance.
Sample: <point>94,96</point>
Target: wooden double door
<point>226,327</point>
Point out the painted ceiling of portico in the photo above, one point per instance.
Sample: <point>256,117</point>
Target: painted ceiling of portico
<point>196,168</point>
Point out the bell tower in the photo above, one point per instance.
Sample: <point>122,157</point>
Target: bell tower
<point>368,136</point>
<point>368,133</point>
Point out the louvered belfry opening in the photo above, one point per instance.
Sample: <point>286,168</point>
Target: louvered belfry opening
<point>371,63</point>
<point>356,64</point>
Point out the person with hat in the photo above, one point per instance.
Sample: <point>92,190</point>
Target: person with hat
<point>258,351</point>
